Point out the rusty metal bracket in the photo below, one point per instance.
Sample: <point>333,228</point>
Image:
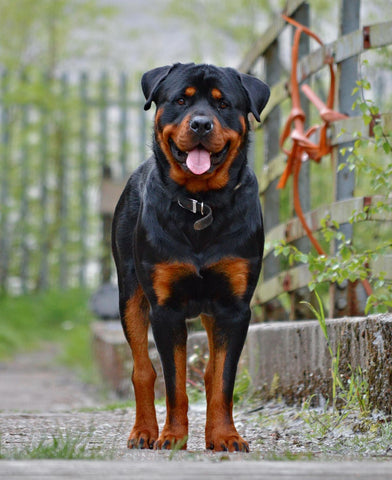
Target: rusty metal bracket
<point>366,37</point>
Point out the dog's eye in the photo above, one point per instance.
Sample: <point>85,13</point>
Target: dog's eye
<point>181,101</point>
<point>222,104</point>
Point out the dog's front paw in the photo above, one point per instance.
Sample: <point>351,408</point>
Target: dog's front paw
<point>226,440</point>
<point>143,437</point>
<point>172,439</point>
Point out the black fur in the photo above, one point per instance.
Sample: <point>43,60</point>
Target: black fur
<point>150,228</point>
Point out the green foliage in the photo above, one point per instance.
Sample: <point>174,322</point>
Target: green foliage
<point>44,157</point>
<point>242,387</point>
<point>42,32</point>
<point>62,317</point>
<point>348,395</point>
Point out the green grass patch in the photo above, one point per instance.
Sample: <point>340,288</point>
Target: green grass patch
<point>62,317</point>
<point>63,445</point>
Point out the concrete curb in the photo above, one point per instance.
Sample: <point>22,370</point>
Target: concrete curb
<point>283,359</point>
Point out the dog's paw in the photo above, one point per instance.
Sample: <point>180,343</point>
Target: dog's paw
<point>143,437</point>
<point>226,440</point>
<point>172,439</point>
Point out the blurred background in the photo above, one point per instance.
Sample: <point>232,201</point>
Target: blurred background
<point>71,117</point>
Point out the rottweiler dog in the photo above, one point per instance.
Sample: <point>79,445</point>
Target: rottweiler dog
<point>188,241</point>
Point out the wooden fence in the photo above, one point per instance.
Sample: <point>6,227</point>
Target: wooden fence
<point>63,141</point>
<point>58,138</point>
<point>263,59</point>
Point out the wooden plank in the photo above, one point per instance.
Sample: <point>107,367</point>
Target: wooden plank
<point>348,45</point>
<point>339,212</point>
<point>380,34</point>
<point>268,37</point>
<point>272,171</point>
<point>383,264</point>
<point>342,130</point>
<point>287,281</point>
<point>279,93</point>
<point>298,277</point>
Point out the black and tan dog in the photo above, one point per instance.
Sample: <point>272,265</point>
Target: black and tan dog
<point>187,241</point>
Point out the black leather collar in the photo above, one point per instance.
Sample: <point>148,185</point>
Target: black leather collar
<point>202,208</point>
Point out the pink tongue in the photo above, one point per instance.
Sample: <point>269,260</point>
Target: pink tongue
<point>198,161</point>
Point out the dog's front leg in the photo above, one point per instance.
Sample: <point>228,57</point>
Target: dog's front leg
<point>170,335</point>
<point>226,337</point>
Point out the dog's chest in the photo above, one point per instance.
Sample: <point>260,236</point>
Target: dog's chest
<point>177,283</point>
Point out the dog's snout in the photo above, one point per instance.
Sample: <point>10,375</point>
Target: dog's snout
<point>201,124</point>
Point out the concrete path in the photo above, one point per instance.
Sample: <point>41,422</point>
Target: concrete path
<point>33,382</point>
<point>244,470</point>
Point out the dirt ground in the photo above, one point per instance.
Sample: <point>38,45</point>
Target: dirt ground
<point>41,401</point>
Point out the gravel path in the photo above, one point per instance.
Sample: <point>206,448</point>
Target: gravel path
<point>41,402</point>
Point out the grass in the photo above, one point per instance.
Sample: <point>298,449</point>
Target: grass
<point>63,445</point>
<point>62,317</point>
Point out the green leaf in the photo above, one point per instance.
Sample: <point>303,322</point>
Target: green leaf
<point>387,147</point>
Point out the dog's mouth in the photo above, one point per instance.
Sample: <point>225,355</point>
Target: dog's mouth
<point>198,160</point>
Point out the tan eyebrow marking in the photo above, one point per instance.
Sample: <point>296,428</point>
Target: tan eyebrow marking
<point>217,94</point>
<point>190,91</point>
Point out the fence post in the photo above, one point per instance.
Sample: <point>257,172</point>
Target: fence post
<point>299,311</point>
<point>271,200</point>
<point>83,139</point>
<point>106,258</point>
<point>344,297</point>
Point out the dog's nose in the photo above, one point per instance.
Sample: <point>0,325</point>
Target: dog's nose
<point>201,124</point>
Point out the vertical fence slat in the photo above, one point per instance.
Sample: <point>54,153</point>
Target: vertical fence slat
<point>106,260</point>
<point>64,183</point>
<point>271,198</point>
<point>83,179</point>
<point>4,185</point>
<point>43,272</point>
<point>345,179</point>
<point>123,141</point>
<point>24,221</point>
<point>302,15</point>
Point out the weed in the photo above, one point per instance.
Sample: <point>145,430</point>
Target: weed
<point>68,445</point>
<point>351,396</point>
<point>242,387</point>
<point>177,446</point>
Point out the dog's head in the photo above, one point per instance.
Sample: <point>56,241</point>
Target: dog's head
<point>201,119</point>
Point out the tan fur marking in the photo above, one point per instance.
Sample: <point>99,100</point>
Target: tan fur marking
<point>143,377</point>
<point>216,93</point>
<point>165,274</point>
<point>190,91</point>
<point>236,270</point>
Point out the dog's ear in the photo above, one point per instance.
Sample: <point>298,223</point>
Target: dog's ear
<point>258,93</point>
<point>151,81</point>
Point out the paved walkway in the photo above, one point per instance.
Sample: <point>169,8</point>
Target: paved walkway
<point>245,470</point>
<point>40,401</point>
